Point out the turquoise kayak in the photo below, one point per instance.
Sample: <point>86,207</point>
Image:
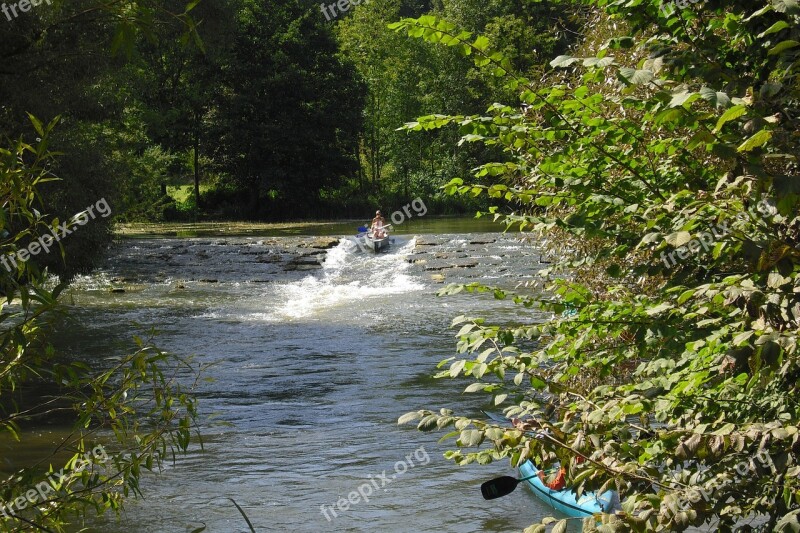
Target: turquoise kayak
<point>566,500</point>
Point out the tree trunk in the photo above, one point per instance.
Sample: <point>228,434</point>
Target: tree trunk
<point>360,173</point>
<point>196,160</point>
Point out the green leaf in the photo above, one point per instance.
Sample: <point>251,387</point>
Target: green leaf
<point>481,43</point>
<point>756,141</point>
<point>759,13</point>
<point>37,124</point>
<point>633,409</point>
<point>700,137</point>
<point>775,28</point>
<point>475,387</point>
<point>537,383</point>
<point>598,62</point>
<point>470,438</point>
<point>636,77</point>
<point>651,238</point>
<point>191,5</point>
<point>563,61</point>
<point>657,310</point>
<point>685,296</point>
<point>770,89</point>
<point>458,320</point>
<point>678,239</point>
<point>466,328</point>
<point>457,367</point>
<point>731,114</point>
<point>428,423</point>
<point>715,98</point>
<point>727,429</point>
<point>783,46</point>
<point>408,417</point>
<point>495,434</point>
<point>668,115</point>
<point>683,97</point>
<point>791,7</point>
<point>741,338</point>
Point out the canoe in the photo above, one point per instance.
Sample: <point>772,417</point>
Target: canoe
<point>565,500</point>
<point>376,245</point>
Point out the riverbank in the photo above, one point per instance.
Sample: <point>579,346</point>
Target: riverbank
<point>420,225</point>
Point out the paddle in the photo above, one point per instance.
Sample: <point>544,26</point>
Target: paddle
<point>503,485</point>
<point>364,229</point>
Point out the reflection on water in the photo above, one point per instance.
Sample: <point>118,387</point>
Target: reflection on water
<point>313,367</point>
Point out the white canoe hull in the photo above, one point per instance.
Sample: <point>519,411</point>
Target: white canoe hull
<point>376,245</point>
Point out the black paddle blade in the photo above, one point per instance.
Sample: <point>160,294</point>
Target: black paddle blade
<point>498,487</point>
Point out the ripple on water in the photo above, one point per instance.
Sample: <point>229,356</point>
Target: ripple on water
<point>313,370</point>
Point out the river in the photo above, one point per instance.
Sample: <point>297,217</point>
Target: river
<point>317,348</point>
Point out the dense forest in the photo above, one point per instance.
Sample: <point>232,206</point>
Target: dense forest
<point>651,146</point>
<point>263,111</point>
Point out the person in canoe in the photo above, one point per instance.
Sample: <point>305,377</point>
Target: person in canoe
<point>559,481</point>
<point>378,226</point>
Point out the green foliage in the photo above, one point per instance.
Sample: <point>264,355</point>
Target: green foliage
<point>662,168</point>
<point>138,413</point>
<point>406,78</point>
<point>149,174</point>
<point>101,135</point>
<point>283,75</point>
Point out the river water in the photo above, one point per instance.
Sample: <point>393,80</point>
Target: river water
<point>318,349</point>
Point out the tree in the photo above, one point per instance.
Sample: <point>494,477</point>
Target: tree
<point>125,418</point>
<point>284,75</point>
<point>181,84</point>
<point>406,79</point>
<point>71,41</point>
<point>662,158</point>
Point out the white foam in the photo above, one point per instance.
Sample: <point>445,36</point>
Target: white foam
<point>348,275</point>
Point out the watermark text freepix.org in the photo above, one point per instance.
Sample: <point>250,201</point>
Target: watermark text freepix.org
<point>23,5</point>
<point>707,239</point>
<point>375,483</point>
<point>343,5</point>
<point>9,261</point>
<point>397,218</point>
<point>706,491</point>
<point>49,487</point>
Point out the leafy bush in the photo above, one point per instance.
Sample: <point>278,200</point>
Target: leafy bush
<point>665,376</point>
<point>136,412</point>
